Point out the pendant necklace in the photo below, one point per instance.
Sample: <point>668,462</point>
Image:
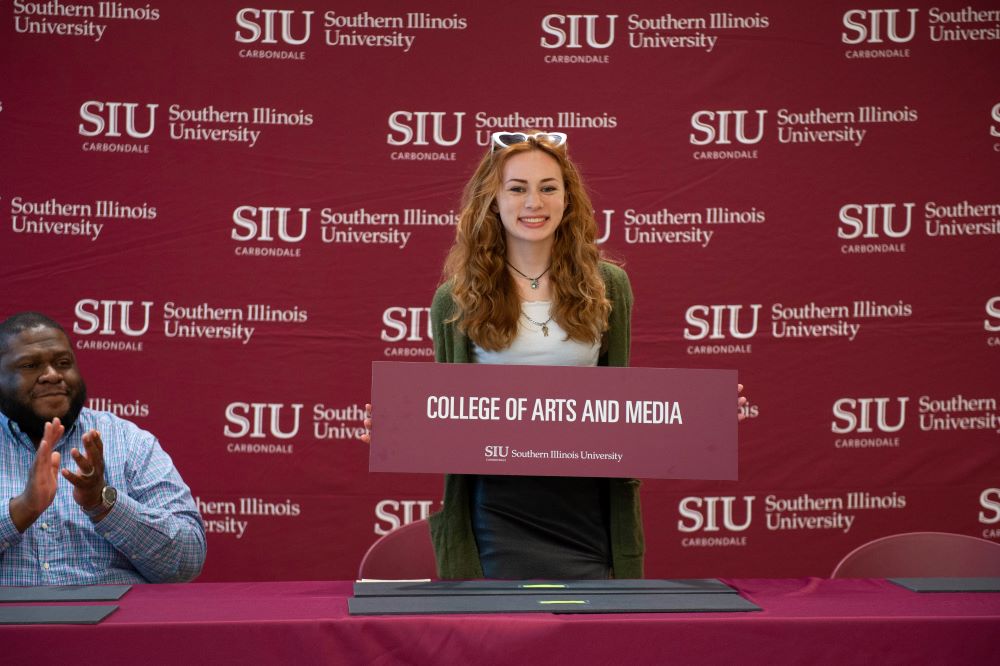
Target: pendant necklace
<point>532,280</point>
<point>543,324</point>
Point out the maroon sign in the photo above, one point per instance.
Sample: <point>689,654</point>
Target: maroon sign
<point>663,423</point>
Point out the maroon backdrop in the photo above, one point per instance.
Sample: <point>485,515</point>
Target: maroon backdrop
<point>236,207</point>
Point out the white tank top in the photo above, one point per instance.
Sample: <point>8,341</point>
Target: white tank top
<point>532,347</point>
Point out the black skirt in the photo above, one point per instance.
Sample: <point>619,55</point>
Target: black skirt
<point>552,527</point>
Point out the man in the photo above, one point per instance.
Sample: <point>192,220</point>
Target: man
<point>120,513</point>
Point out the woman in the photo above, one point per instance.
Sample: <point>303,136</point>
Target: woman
<point>525,285</point>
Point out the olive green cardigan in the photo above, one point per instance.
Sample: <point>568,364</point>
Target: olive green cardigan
<point>451,528</point>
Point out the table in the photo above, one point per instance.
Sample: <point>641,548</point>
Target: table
<point>804,621</point>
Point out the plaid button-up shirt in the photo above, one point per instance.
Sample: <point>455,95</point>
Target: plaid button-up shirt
<point>153,534</point>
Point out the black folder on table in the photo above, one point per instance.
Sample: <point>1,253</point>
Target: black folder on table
<point>562,603</point>
<point>949,584</point>
<point>64,593</point>
<point>54,614</point>
<point>402,588</point>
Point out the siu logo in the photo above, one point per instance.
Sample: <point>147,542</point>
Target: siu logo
<point>567,31</point>
<point>496,452</point>
<point>393,514</point>
<point>855,415</point>
<point>993,312</point>
<point>258,420</point>
<point>716,322</point>
<point>874,220</point>
<point>421,128</point>
<point>712,514</point>
<point>608,214</point>
<point>723,127</point>
<point>874,26</point>
<point>111,317</point>
<point>409,324</point>
<point>264,26</point>
<point>989,499</point>
<point>110,119</point>
<point>269,223</point>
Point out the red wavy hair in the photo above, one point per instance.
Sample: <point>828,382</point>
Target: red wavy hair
<point>487,302</point>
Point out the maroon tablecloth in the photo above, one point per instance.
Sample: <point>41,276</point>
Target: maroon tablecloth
<point>804,621</point>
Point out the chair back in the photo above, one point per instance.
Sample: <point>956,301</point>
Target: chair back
<point>922,555</point>
<point>403,554</point>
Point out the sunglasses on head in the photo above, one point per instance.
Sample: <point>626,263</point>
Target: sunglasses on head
<point>504,139</point>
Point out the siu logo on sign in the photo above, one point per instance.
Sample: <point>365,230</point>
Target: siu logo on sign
<point>109,119</point>
<point>258,420</point>
<point>110,317</point>
<point>874,220</point>
<point>854,415</point>
<point>874,26</point>
<point>703,514</point>
<point>413,128</point>
<point>723,127</point>
<point>254,223</point>
<point>710,321</point>
<point>567,31</point>
<point>263,26</point>
<point>496,452</point>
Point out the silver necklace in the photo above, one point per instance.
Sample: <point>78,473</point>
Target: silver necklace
<point>533,280</point>
<point>543,324</point>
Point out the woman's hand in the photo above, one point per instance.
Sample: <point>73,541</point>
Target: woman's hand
<point>367,437</point>
<point>739,404</point>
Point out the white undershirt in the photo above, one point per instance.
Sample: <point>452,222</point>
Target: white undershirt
<point>532,347</point>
